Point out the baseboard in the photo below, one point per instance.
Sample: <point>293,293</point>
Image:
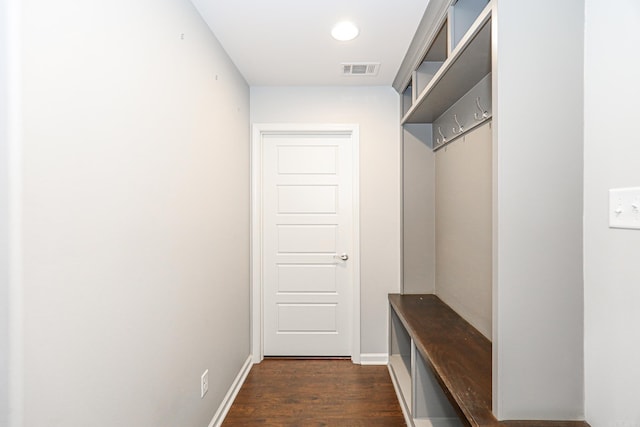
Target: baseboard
<point>374,359</point>
<point>224,407</point>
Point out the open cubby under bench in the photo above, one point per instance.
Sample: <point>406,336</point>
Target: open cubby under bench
<point>431,346</point>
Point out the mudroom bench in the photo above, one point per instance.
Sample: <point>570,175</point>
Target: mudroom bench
<point>441,367</point>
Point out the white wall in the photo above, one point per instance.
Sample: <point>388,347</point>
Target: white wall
<point>4,221</point>
<point>376,110</point>
<point>135,214</point>
<point>612,153</point>
<point>538,160</point>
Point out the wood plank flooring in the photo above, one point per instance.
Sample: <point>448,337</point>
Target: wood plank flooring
<point>287,392</point>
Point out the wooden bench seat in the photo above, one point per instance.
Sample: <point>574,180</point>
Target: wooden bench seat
<point>460,358</point>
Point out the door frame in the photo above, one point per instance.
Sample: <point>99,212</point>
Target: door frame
<point>256,290</point>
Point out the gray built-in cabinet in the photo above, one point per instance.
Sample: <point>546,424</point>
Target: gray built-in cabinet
<point>492,107</point>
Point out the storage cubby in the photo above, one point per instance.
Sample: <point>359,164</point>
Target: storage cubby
<point>430,405</point>
<point>462,15</point>
<point>400,357</point>
<point>422,397</point>
<point>432,62</point>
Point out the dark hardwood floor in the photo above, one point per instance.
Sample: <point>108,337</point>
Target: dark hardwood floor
<point>293,392</point>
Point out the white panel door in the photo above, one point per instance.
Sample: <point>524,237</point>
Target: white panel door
<point>307,229</point>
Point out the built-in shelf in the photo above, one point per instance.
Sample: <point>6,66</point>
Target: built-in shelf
<point>455,353</point>
<point>425,74</point>
<point>451,354</point>
<point>449,87</point>
<point>431,63</point>
<point>402,377</point>
<point>438,51</point>
<point>469,63</point>
<point>461,17</point>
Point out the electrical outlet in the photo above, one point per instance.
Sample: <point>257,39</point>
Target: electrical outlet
<point>204,383</point>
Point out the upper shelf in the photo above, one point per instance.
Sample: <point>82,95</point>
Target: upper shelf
<point>469,62</point>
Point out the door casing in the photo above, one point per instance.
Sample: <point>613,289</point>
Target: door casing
<point>256,300</point>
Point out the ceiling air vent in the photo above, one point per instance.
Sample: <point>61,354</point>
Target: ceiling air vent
<point>360,69</point>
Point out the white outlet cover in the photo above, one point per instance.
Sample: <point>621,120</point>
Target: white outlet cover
<point>624,208</point>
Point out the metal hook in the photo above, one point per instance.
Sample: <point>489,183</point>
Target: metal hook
<point>460,128</point>
<point>484,113</point>
<point>444,139</point>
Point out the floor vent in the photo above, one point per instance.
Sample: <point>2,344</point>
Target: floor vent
<point>360,69</point>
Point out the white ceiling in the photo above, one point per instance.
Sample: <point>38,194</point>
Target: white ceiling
<point>288,42</point>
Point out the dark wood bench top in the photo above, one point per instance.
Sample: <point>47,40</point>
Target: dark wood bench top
<point>460,358</point>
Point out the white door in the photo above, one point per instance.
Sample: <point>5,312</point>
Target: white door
<point>307,194</point>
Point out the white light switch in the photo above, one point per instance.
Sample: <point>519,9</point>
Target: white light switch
<point>624,208</point>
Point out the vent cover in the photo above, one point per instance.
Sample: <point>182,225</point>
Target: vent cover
<point>360,69</point>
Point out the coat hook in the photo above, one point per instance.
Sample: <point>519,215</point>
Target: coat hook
<point>460,129</point>
<point>444,139</point>
<point>483,113</point>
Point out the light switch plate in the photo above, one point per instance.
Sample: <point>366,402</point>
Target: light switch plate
<point>624,208</point>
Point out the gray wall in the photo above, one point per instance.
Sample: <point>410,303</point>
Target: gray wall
<point>463,226</point>
<point>538,158</point>
<point>612,153</point>
<point>376,110</point>
<point>418,220</point>
<point>135,214</point>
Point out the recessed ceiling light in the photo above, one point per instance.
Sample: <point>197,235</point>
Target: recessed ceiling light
<point>345,31</point>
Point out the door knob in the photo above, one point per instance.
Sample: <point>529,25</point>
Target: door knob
<point>343,257</point>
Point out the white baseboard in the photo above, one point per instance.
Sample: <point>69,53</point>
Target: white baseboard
<point>374,359</point>
<point>224,407</point>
